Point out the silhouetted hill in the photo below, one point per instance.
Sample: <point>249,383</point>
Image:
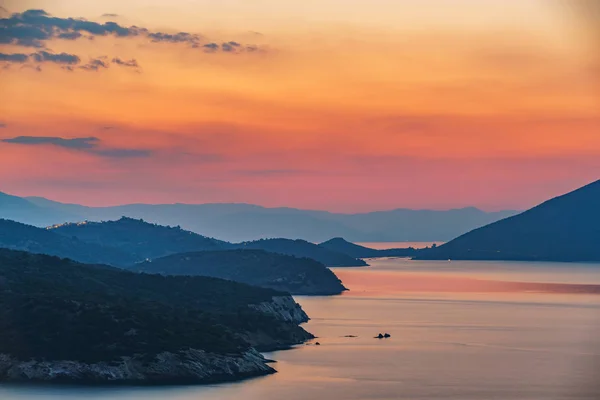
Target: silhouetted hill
<point>343,246</point>
<point>302,276</point>
<point>18,236</point>
<point>253,222</point>
<point>566,228</point>
<point>302,248</point>
<point>19,209</point>
<point>65,321</point>
<point>142,239</point>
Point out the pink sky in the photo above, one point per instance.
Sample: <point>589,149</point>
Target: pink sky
<point>343,106</point>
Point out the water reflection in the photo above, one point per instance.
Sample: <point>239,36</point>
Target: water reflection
<point>457,332</point>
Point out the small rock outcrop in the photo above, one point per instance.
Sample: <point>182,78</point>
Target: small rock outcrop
<point>383,336</point>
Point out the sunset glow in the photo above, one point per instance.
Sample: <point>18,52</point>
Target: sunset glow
<point>314,104</point>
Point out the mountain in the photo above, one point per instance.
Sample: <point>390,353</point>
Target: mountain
<point>22,210</point>
<point>301,276</point>
<point>18,236</point>
<point>302,248</point>
<point>566,228</point>
<point>141,239</point>
<point>253,222</point>
<point>62,321</point>
<point>343,246</point>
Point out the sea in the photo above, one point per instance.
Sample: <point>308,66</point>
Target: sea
<point>459,330</point>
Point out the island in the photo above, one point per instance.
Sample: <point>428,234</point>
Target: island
<point>63,321</point>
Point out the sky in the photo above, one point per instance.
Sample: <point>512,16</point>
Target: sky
<point>340,105</point>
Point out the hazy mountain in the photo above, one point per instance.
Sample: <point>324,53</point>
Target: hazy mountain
<point>301,276</point>
<point>18,236</point>
<point>566,228</point>
<point>141,239</point>
<point>343,246</point>
<point>302,248</point>
<point>246,222</point>
<point>22,210</point>
<point>63,321</point>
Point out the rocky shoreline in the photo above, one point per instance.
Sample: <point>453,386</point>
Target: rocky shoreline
<point>190,366</point>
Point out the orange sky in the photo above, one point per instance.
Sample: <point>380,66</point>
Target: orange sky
<point>330,104</point>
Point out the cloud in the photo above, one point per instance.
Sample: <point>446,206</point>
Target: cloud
<point>33,28</point>
<point>91,145</point>
<point>181,37</point>
<point>95,64</point>
<point>125,63</point>
<point>14,58</point>
<point>3,125</point>
<point>109,15</point>
<point>69,35</point>
<point>61,58</point>
<point>76,143</point>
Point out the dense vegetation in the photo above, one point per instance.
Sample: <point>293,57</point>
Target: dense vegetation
<point>566,228</point>
<point>342,246</point>
<point>302,248</point>
<point>14,235</point>
<point>141,239</point>
<point>52,308</point>
<point>255,267</point>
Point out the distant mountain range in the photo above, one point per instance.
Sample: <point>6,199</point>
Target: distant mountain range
<point>246,222</point>
<point>566,228</point>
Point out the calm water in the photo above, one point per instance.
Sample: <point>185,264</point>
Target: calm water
<point>460,330</point>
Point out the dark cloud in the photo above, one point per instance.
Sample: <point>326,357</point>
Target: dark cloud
<point>3,125</point>
<point>69,35</point>
<point>95,64</point>
<point>126,63</point>
<point>34,28</point>
<point>110,15</point>
<point>14,58</point>
<point>181,37</point>
<point>89,145</point>
<point>230,46</point>
<point>76,143</point>
<point>61,58</point>
<point>211,47</point>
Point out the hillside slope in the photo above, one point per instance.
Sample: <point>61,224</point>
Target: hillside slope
<point>18,236</point>
<point>301,276</point>
<point>302,248</point>
<point>565,228</point>
<point>62,321</point>
<point>140,238</point>
<point>343,246</point>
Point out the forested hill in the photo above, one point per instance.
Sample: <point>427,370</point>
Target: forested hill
<point>566,228</point>
<point>17,236</point>
<point>139,238</point>
<point>302,248</point>
<point>256,267</point>
<point>54,309</point>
